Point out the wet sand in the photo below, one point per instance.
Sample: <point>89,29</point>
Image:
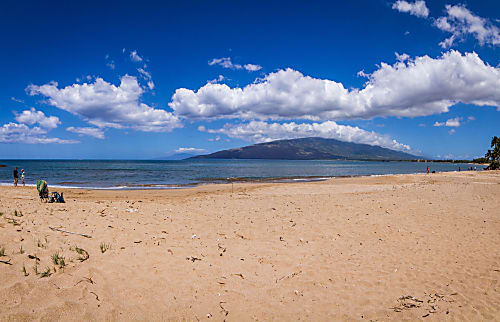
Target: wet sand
<point>404,247</point>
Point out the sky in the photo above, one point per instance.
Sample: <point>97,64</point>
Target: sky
<point>144,80</point>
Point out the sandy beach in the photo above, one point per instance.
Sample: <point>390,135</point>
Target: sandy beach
<point>403,247</point>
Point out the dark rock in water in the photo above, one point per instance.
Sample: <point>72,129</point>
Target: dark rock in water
<point>310,149</point>
<point>3,166</point>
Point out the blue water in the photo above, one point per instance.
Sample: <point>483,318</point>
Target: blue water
<point>125,174</point>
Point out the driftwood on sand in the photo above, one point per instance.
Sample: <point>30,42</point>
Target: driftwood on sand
<point>70,232</point>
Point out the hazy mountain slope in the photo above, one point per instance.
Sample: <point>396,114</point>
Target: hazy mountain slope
<point>310,149</point>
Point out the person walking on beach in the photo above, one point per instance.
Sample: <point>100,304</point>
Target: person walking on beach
<point>16,177</point>
<point>22,177</point>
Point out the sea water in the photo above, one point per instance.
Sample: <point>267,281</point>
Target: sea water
<point>134,174</point>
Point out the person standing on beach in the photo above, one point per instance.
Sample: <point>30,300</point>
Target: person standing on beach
<point>427,169</point>
<point>16,177</point>
<point>22,177</point>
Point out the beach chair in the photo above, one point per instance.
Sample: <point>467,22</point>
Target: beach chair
<point>56,197</point>
<point>43,193</point>
<point>43,190</point>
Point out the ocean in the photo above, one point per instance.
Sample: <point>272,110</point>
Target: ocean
<point>132,174</point>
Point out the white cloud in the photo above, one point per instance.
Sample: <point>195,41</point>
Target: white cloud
<point>452,131</point>
<point>145,74</point>
<point>33,116</point>
<point>16,100</point>
<point>417,87</point>
<point>134,56</point>
<point>21,133</point>
<point>190,150</point>
<point>252,67</point>
<point>109,63</point>
<point>402,57</point>
<point>224,62</point>
<point>217,80</point>
<point>459,21</point>
<point>417,8</point>
<point>454,122</point>
<point>471,118</point>
<point>106,105</point>
<point>258,131</point>
<point>216,139</point>
<point>90,131</point>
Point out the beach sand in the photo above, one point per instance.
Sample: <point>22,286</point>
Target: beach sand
<point>402,247</point>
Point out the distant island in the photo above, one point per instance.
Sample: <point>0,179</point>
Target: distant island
<point>311,149</point>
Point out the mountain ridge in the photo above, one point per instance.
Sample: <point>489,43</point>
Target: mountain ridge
<point>311,148</point>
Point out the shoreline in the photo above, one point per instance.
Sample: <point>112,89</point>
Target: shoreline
<point>217,181</point>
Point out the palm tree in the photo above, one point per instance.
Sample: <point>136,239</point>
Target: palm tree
<point>494,154</point>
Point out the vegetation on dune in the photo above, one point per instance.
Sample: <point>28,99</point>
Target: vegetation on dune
<point>58,260</point>
<point>104,247</point>
<point>46,273</point>
<point>84,255</point>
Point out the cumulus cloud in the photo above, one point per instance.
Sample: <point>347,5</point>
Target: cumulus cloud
<point>107,105</point>
<point>226,62</point>
<point>190,150</point>
<point>417,8</point>
<point>90,131</point>
<point>258,131</point>
<point>402,57</point>
<point>414,87</point>
<point>21,133</point>
<point>151,85</point>
<point>460,22</point>
<point>33,116</point>
<point>454,122</point>
<point>134,56</point>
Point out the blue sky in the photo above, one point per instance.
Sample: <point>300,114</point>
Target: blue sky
<point>128,80</point>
